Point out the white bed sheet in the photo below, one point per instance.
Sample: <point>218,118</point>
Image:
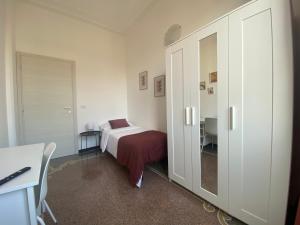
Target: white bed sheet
<point>110,137</point>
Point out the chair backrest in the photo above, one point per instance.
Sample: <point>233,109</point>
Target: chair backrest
<point>43,184</point>
<point>211,126</point>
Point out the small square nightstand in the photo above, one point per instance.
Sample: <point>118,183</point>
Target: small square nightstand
<point>97,134</point>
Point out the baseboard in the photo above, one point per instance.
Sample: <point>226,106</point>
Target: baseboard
<point>88,150</point>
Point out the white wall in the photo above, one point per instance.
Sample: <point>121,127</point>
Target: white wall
<point>208,64</point>
<point>145,50</point>
<point>99,55</point>
<point>3,115</point>
<point>7,61</point>
<point>10,66</point>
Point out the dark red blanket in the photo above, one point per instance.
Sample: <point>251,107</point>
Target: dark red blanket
<point>136,150</point>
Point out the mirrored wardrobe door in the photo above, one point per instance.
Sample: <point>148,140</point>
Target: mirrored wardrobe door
<point>210,113</point>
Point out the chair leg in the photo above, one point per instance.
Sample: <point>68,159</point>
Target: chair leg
<point>43,208</point>
<point>50,211</point>
<point>40,220</point>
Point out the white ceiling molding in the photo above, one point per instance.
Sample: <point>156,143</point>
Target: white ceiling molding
<point>113,15</point>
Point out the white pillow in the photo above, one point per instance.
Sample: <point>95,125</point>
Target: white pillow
<point>131,124</point>
<point>105,126</point>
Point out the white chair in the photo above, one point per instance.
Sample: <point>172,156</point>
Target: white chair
<point>202,133</point>
<point>211,128</point>
<point>42,188</point>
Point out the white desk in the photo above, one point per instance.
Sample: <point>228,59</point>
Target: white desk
<point>17,200</point>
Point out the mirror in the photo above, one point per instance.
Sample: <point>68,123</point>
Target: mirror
<point>208,113</point>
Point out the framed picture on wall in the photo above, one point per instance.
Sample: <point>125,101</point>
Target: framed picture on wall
<point>210,91</point>
<point>143,80</point>
<point>213,77</point>
<point>202,85</point>
<point>160,86</point>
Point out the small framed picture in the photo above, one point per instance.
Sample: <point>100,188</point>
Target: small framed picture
<point>213,77</point>
<point>143,80</point>
<point>160,86</point>
<point>210,91</point>
<point>202,85</point>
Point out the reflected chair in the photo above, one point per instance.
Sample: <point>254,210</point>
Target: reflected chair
<point>211,128</point>
<point>202,133</point>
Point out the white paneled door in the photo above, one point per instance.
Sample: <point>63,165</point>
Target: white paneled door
<point>45,100</point>
<point>251,94</point>
<point>178,71</point>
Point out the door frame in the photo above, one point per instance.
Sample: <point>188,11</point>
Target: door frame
<point>19,101</point>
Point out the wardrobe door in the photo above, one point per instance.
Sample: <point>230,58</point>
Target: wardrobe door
<point>209,94</point>
<point>250,100</point>
<point>178,70</point>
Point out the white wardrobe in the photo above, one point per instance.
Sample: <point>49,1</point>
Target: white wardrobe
<point>229,110</point>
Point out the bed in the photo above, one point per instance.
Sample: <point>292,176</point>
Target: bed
<point>134,147</point>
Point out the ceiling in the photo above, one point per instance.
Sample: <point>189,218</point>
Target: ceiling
<point>115,15</point>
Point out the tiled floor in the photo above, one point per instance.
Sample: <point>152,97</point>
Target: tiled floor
<point>92,190</point>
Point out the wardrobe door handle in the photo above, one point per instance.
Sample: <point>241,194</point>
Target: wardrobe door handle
<point>187,116</point>
<point>232,117</point>
<point>193,112</point>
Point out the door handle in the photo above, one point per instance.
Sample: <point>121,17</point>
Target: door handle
<point>187,116</point>
<point>67,107</point>
<point>232,117</point>
<point>193,112</point>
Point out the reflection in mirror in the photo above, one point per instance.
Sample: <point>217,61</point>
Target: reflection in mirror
<point>208,114</point>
